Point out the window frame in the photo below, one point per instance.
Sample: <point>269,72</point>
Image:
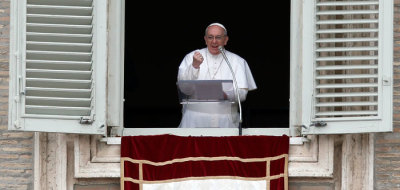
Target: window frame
<point>109,99</point>
<point>301,35</point>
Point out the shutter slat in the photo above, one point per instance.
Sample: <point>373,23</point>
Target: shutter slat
<point>346,67</point>
<point>33,28</point>
<point>57,110</point>
<point>59,19</point>
<point>346,76</point>
<point>358,30</point>
<point>349,85</point>
<point>346,58</point>
<point>342,40</point>
<point>347,3</point>
<point>56,55</point>
<point>358,21</point>
<point>346,113</point>
<point>62,102</point>
<point>336,49</point>
<point>338,95</point>
<point>58,92</point>
<point>344,104</point>
<point>59,65</point>
<point>58,37</point>
<point>66,47</point>
<point>85,3</point>
<point>60,10</point>
<point>58,83</point>
<point>347,12</point>
<point>58,74</point>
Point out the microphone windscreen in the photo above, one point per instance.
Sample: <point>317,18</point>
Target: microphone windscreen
<point>221,48</point>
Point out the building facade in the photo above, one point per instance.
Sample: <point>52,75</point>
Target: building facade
<point>57,159</point>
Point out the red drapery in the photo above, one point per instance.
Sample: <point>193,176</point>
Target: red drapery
<point>166,160</point>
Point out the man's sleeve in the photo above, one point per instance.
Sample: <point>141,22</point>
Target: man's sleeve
<point>186,70</point>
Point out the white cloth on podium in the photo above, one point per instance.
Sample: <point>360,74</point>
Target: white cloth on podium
<point>214,67</point>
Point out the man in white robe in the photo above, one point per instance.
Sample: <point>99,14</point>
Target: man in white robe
<point>209,64</point>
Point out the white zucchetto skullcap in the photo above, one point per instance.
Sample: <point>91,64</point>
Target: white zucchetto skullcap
<point>218,24</point>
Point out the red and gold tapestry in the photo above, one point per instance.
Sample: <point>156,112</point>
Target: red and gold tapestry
<point>170,162</point>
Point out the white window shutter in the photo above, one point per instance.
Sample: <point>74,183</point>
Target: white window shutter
<point>347,66</point>
<point>58,82</point>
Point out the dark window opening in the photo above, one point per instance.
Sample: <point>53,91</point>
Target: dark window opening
<point>157,37</point>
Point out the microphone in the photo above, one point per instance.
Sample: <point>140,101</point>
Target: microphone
<point>222,51</point>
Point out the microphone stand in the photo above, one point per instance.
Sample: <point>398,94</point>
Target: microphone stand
<point>221,49</point>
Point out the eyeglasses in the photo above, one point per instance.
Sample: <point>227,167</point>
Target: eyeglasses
<point>218,38</point>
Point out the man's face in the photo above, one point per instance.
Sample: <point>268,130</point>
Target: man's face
<point>214,38</point>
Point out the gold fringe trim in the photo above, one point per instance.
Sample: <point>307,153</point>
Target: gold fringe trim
<point>267,178</point>
<point>178,160</point>
<point>203,178</point>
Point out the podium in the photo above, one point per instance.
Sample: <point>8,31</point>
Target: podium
<point>214,92</point>
<point>205,91</point>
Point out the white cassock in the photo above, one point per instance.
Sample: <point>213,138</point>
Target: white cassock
<point>214,67</point>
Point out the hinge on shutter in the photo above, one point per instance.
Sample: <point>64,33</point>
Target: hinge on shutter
<point>318,123</point>
<point>16,124</point>
<point>21,87</point>
<point>314,123</point>
<point>20,82</point>
<point>300,138</point>
<point>300,128</point>
<point>86,120</point>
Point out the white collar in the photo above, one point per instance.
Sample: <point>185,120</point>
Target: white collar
<point>214,57</point>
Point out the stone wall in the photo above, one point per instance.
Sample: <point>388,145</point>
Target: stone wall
<point>387,145</point>
<point>16,148</point>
